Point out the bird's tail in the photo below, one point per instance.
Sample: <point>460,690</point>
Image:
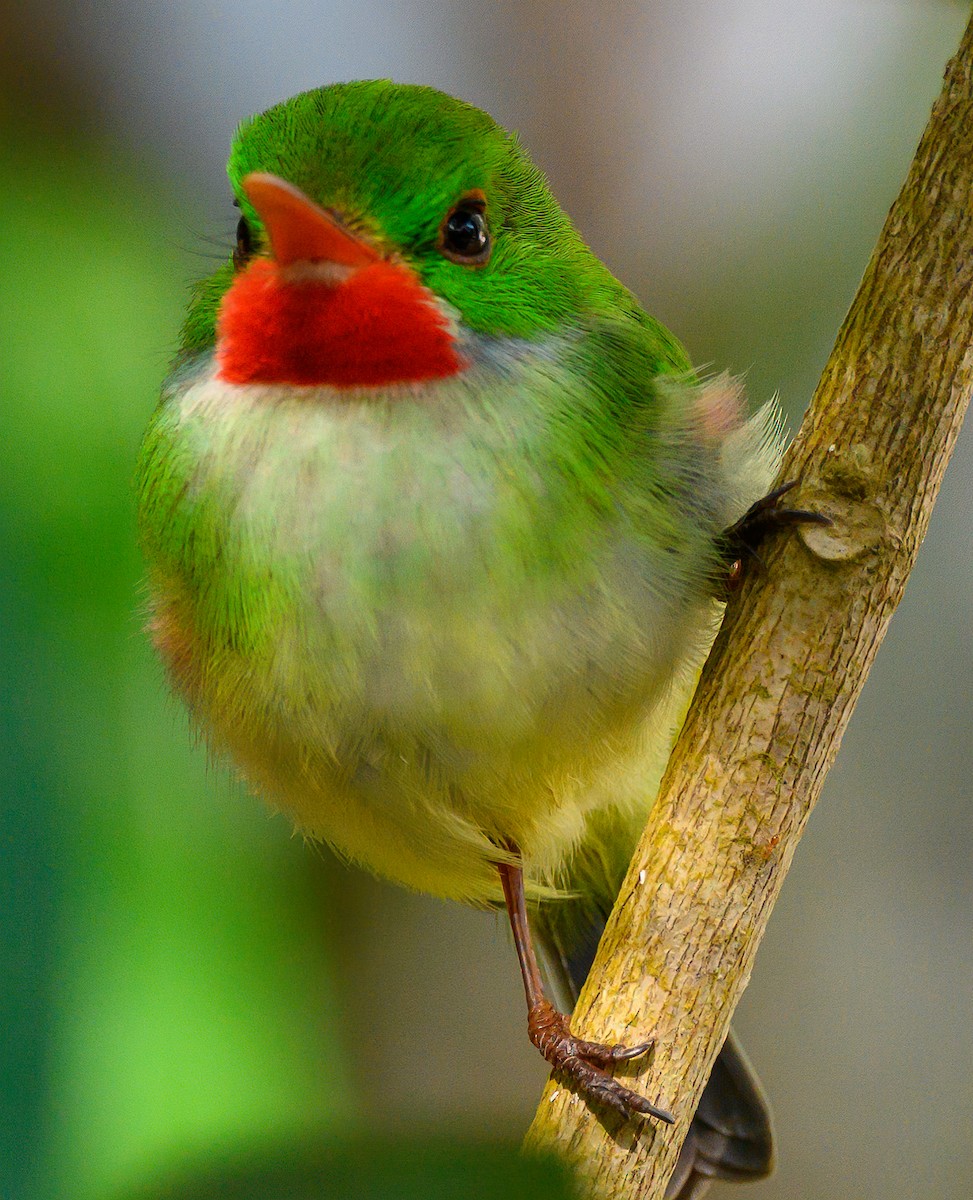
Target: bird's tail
<point>731,1136</point>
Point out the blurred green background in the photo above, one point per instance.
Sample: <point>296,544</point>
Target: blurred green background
<point>192,1002</point>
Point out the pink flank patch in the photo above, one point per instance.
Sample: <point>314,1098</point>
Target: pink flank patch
<point>379,326</point>
<point>720,407</point>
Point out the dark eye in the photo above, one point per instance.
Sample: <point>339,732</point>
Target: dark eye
<point>464,236</point>
<point>244,244</point>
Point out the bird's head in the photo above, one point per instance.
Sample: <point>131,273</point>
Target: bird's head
<point>381,225</point>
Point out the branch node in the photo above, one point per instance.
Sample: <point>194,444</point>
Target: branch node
<point>858,527</point>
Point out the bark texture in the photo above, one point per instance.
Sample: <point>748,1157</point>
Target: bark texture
<point>787,668</point>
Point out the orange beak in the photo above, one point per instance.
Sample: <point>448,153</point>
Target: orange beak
<point>300,230</point>
<point>363,320</point>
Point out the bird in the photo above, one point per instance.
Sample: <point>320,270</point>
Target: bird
<point>436,522</point>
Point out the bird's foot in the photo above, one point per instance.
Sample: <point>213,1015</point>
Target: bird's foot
<point>584,1063</point>
<point>739,543</point>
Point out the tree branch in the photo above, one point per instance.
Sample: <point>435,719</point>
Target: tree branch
<point>788,666</point>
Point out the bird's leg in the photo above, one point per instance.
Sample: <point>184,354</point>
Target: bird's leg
<point>738,544</point>
<point>579,1061</point>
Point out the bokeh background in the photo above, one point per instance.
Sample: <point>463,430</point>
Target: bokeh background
<point>194,1003</point>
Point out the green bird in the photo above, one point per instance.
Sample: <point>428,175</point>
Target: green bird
<point>435,518</point>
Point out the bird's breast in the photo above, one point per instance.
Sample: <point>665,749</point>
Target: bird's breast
<point>429,547</point>
<point>403,593</point>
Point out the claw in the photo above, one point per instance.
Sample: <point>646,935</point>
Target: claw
<point>591,1081</point>
<point>738,544</point>
<point>580,1062</point>
<point>583,1062</point>
<point>606,1056</point>
<point>628,1053</point>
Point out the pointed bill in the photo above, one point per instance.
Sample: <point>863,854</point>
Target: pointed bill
<point>300,230</point>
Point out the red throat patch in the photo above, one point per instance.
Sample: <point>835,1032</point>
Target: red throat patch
<point>378,326</point>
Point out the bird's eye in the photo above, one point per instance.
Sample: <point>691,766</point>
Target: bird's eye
<point>244,244</point>
<point>464,236</point>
